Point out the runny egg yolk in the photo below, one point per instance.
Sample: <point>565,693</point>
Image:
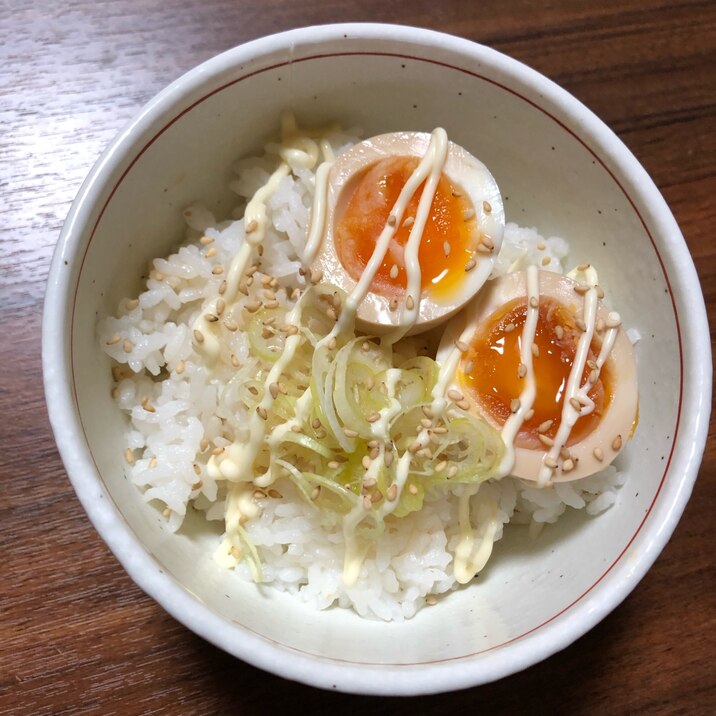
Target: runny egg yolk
<point>447,243</point>
<point>493,360</point>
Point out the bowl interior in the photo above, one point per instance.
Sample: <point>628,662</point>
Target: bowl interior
<point>555,175</point>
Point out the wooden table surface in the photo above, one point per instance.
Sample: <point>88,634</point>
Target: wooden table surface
<point>76,635</point>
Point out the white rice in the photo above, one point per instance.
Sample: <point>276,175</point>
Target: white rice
<point>300,551</point>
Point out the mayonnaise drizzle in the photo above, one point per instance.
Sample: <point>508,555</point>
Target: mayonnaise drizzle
<point>573,389</point>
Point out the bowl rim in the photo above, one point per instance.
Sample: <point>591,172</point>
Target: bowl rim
<point>406,679</point>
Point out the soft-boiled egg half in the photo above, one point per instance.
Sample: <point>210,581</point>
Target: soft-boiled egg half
<point>524,379</point>
<point>373,190</point>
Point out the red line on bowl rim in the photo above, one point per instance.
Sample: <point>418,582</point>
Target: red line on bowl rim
<point>561,124</point>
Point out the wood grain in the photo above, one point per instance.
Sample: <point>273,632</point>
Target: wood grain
<point>76,635</point>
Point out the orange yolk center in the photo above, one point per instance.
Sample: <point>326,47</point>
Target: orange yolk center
<point>493,361</point>
<point>447,242</point>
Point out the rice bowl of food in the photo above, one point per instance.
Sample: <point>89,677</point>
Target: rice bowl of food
<point>351,350</point>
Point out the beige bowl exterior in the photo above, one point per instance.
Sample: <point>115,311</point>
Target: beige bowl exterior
<point>560,169</point>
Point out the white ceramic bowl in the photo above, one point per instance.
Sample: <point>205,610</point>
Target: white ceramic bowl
<point>560,169</point>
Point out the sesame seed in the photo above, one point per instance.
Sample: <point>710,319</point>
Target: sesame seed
<point>487,242</point>
<point>594,376</point>
<point>116,338</point>
<point>333,465</point>
<point>617,443</point>
<point>203,444</point>
<point>393,305</point>
<point>481,248</point>
<point>455,395</point>
<point>217,451</point>
<point>252,306</point>
<point>269,294</point>
<point>469,214</point>
<point>546,260</point>
<point>441,466</point>
<point>545,426</point>
<point>166,512</point>
<point>509,328</point>
<point>541,246</point>
<point>409,303</point>
<point>461,346</point>
<point>315,423</point>
<point>568,465</point>
<point>413,489</point>
<point>515,405</point>
<point>409,221</point>
<point>131,305</point>
<point>127,346</point>
<point>452,471</point>
<point>394,271</point>
<point>197,469</point>
<point>350,433</point>
<point>388,458</point>
<point>331,313</point>
<point>315,493</point>
<point>153,462</point>
<point>273,389</point>
<point>582,267</point>
<point>129,456</point>
<point>180,367</point>
<point>253,390</point>
<point>376,496</point>
<point>220,306</point>
<point>211,252</point>
<point>392,492</point>
<point>235,552</point>
<point>546,440</point>
<point>275,494</point>
<point>231,325</point>
<point>456,193</point>
<point>529,414</point>
<point>116,373</point>
<point>580,324</point>
<point>463,404</point>
<point>205,240</point>
<point>534,302</point>
<point>291,330</point>
<point>251,270</point>
<point>469,366</point>
<point>471,263</point>
<point>316,275</point>
<point>581,289</point>
<point>332,343</point>
<point>600,292</point>
<point>367,503</point>
<point>374,454</point>
<point>535,350</point>
<point>598,454</point>
<point>243,288</point>
<point>373,418</point>
<point>575,404</point>
<point>392,220</point>
<point>261,411</point>
<point>446,248</point>
<point>426,422</point>
<point>198,336</point>
<point>486,207</point>
<point>252,226</point>
<point>565,454</point>
<point>366,346</point>
<point>550,461</point>
<point>521,370</point>
<point>414,447</point>
<point>217,270</point>
<point>210,318</point>
<point>559,332</point>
